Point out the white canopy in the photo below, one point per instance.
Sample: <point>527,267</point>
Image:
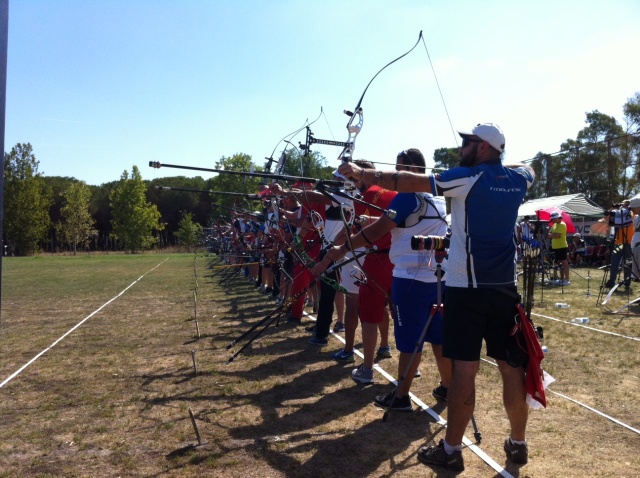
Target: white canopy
<point>572,204</point>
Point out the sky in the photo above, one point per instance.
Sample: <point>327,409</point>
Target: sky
<point>99,86</point>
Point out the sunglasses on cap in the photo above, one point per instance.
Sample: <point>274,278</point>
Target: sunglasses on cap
<point>466,141</point>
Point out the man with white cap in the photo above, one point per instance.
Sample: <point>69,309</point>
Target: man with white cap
<point>480,302</point>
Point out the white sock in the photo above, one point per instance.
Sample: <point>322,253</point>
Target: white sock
<point>450,449</point>
<point>516,442</point>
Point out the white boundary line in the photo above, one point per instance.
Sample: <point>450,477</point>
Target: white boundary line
<point>441,421</point>
<point>586,327</point>
<point>17,372</point>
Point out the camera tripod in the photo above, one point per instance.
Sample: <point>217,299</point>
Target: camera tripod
<point>435,308</point>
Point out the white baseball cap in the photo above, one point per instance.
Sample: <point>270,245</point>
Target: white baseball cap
<point>489,132</point>
<point>634,201</point>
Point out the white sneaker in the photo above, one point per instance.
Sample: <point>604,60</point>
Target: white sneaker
<point>566,282</point>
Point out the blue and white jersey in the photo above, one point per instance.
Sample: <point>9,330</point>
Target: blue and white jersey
<point>484,208</point>
<point>416,214</point>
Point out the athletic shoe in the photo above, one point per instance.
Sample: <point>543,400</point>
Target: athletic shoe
<point>362,375</point>
<point>339,327</point>
<point>343,356</point>
<point>279,301</point>
<point>418,374</point>
<point>261,289</point>
<point>384,352</point>
<point>440,392</point>
<point>391,402</point>
<point>435,455</point>
<point>565,282</point>
<point>516,453</point>
<point>318,341</point>
<point>556,282</point>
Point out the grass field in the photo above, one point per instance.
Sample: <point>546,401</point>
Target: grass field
<point>112,397</point>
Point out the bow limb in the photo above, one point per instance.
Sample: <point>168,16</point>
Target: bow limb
<point>353,127</point>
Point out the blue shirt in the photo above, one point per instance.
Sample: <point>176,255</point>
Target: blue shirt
<point>484,208</point>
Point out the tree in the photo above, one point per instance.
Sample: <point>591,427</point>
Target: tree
<point>26,215</point>
<point>76,224</point>
<point>446,158</point>
<point>189,233</point>
<point>233,182</point>
<point>174,204</point>
<point>312,165</point>
<point>133,218</point>
<point>600,161</point>
<point>55,187</point>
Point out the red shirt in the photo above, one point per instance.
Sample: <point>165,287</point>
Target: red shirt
<point>378,197</point>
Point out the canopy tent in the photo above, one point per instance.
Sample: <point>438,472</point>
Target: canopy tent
<point>572,204</point>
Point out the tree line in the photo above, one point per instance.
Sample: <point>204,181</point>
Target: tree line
<point>63,214</point>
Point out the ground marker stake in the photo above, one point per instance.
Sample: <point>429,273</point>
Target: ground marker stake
<point>195,426</point>
<point>195,365</point>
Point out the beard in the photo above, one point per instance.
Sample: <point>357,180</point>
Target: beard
<point>468,161</point>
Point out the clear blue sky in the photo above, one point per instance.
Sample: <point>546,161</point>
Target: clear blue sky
<point>99,86</point>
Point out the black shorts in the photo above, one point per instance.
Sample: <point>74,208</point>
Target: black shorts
<point>560,254</point>
<point>471,315</point>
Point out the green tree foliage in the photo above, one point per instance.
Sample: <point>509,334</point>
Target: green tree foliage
<point>26,214</point>
<point>312,165</point>
<point>133,218</point>
<point>631,110</point>
<point>189,233</point>
<point>76,225</point>
<point>100,209</point>
<point>233,182</point>
<point>55,187</point>
<point>174,204</point>
<point>602,162</point>
<point>446,158</point>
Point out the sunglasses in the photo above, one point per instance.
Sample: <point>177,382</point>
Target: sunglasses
<point>466,141</point>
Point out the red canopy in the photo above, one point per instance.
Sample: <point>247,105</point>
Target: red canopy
<point>545,215</point>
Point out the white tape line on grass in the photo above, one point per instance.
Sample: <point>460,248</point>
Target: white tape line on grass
<point>441,421</point>
<point>608,417</point>
<point>17,372</point>
<point>587,327</point>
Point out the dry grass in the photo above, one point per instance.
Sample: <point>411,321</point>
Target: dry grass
<point>112,398</point>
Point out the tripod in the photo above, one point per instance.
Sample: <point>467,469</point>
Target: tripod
<point>435,308</point>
